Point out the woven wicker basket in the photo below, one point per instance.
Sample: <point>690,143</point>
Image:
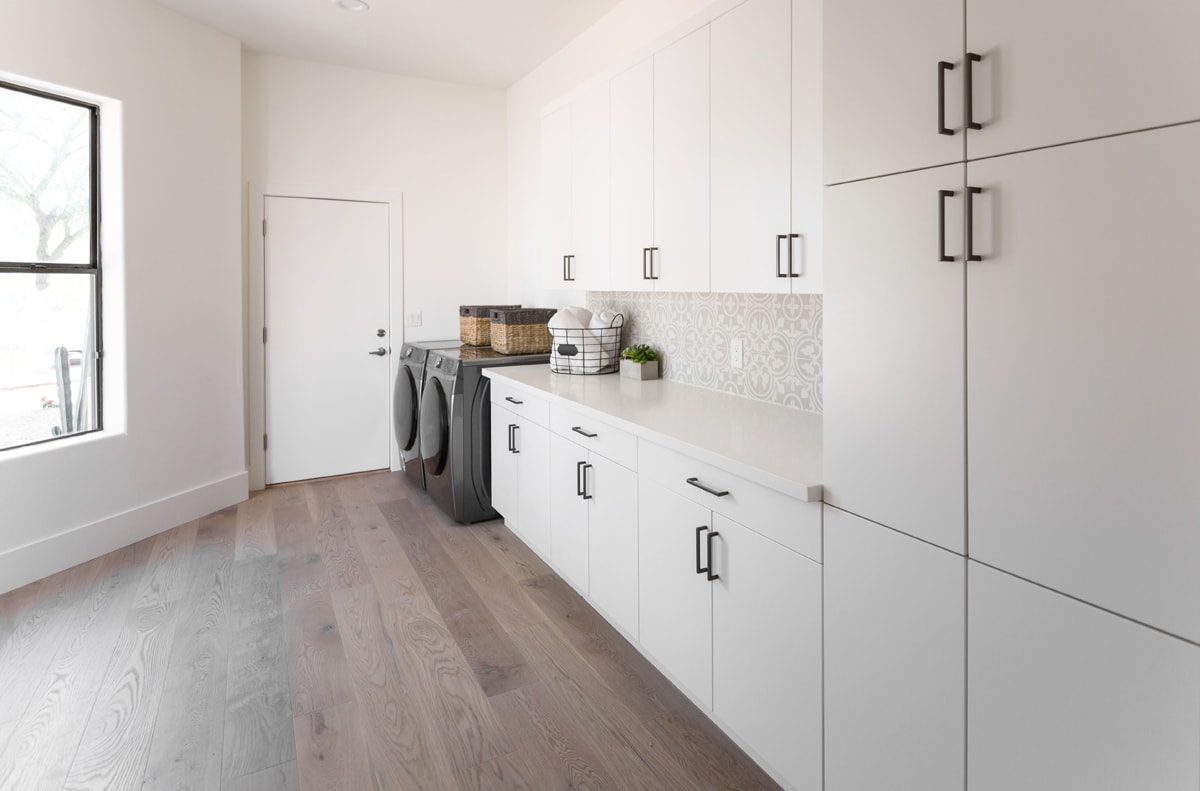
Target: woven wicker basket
<point>522,331</point>
<point>475,323</point>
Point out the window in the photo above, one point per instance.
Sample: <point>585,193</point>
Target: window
<point>50,350</point>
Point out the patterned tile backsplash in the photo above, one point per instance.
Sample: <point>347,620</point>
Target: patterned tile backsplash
<point>781,337</point>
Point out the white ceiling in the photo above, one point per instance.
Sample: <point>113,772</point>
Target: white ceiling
<point>479,42</point>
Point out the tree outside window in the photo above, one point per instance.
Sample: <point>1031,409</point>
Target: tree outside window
<point>49,267</point>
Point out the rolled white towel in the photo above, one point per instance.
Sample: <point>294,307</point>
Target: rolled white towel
<point>602,319</point>
<point>570,318</point>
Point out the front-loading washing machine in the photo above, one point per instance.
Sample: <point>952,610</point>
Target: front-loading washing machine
<point>456,428</point>
<point>406,404</point>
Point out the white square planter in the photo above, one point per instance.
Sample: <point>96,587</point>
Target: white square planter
<point>632,370</point>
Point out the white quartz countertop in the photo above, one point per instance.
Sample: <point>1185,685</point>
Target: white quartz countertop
<point>773,445</point>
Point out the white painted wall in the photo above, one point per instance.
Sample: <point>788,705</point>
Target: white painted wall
<point>441,145</point>
<point>174,445</point>
<point>627,29</point>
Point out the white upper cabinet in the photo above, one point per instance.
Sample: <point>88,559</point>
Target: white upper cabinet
<point>590,225</point>
<point>1056,72</point>
<point>681,165</point>
<point>632,192</point>
<point>1065,696</point>
<point>894,369</point>
<point>882,110</point>
<point>556,196</point>
<point>751,147</point>
<point>808,210</point>
<point>1083,376</point>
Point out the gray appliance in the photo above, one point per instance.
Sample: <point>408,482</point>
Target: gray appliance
<point>406,404</point>
<point>456,425</point>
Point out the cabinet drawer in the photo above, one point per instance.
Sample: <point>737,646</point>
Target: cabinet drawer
<point>795,524</point>
<point>612,443</point>
<point>521,403</point>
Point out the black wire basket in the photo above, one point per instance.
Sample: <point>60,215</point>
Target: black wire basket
<point>589,351</point>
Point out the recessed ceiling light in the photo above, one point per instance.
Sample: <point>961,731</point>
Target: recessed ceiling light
<point>351,5</point>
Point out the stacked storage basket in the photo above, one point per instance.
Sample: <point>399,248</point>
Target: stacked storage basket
<point>475,323</point>
<point>521,331</point>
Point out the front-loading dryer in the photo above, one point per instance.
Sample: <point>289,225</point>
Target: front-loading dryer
<point>456,428</point>
<point>406,404</point>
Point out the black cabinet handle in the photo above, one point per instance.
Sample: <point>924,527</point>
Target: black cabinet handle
<point>651,251</point>
<point>943,67</point>
<point>586,494</point>
<point>512,400</point>
<point>568,262</point>
<point>791,257</point>
<point>512,440</point>
<point>942,195</point>
<point>696,482</point>
<point>711,576</point>
<point>970,98</point>
<point>514,429</point>
<point>579,430</point>
<point>699,567</point>
<point>645,254</point>
<point>579,484</point>
<point>779,255</point>
<point>971,254</point>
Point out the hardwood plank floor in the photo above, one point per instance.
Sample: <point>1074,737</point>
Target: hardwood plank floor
<point>337,634</point>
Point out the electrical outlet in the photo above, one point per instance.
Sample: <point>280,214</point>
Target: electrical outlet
<point>413,319</point>
<point>735,353</point>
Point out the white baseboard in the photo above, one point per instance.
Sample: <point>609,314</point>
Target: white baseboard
<point>57,553</point>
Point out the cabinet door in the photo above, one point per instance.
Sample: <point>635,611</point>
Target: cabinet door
<point>613,535</point>
<point>1063,695</point>
<point>556,195</point>
<point>1083,375</point>
<point>807,147</point>
<point>895,659</point>
<point>881,86</point>
<point>632,204</point>
<point>894,371</point>
<point>751,131</point>
<point>568,512</point>
<point>767,650</point>
<point>1082,70</point>
<point>533,442</point>
<point>590,226</point>
<point>504,467</point>
<point>675,602</point>
<point>681,164</point>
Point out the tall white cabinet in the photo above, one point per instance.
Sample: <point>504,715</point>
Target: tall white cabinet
<point>1010,372</point>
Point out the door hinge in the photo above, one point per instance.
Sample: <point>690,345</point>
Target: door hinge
<point>264,227</point>
<point>264,441</point>
<point>264,334</point>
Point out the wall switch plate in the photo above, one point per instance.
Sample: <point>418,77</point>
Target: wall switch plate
<point>413,319</point>
<point>735,353</point>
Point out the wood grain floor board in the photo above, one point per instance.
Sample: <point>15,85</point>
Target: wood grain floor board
<point>284,777</point>
<point>303,570</point>
<point>497,663</point>
<point>40,748</point>
<point>186,748</point>
<point>515,557</point>
<point>692,740</point>
<point>401,751</point>
<point>167,570</point>
<point>258,716</point>
<point>255,527</point>
<point>331,750</point>
<point>317,671</point>
<point>338,550</point>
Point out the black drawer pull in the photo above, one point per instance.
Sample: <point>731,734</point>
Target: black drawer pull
<point>579,430</point>
<point>512,400</point>
<point>696,482</point>
<point>943,67</point>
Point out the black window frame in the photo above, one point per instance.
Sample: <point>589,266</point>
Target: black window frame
<point>92,268</point>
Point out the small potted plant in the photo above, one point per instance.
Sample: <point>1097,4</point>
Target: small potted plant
<point>639,362</point>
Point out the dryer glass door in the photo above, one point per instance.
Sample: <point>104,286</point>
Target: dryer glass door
<point>435,427</point>
<point>406,408</point>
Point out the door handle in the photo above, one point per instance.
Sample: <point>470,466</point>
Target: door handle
<point>942,195</point>
<point>971,254</point>
<point>584,493</point>
<point>713,534</point>
<point>971,123</point>
<point>653,276</point>
<point>791,256</point>
<point>943,67</point>
<point>379,352</point>
<point>579,484</point>
<point>701,569</point>
<point>779,254</point>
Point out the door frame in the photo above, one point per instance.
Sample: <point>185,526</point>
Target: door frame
<point>256,295</point>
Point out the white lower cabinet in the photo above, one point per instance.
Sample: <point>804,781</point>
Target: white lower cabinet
<point>735,618</point>
<point>520,467</point>
<point>1065,696</point>
<point>895,661</point>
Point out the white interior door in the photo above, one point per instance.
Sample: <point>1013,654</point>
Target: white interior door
<point>327,391</point>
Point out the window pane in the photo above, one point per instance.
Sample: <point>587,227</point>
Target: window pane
<point>45,180</point>
<point>39,315</point>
